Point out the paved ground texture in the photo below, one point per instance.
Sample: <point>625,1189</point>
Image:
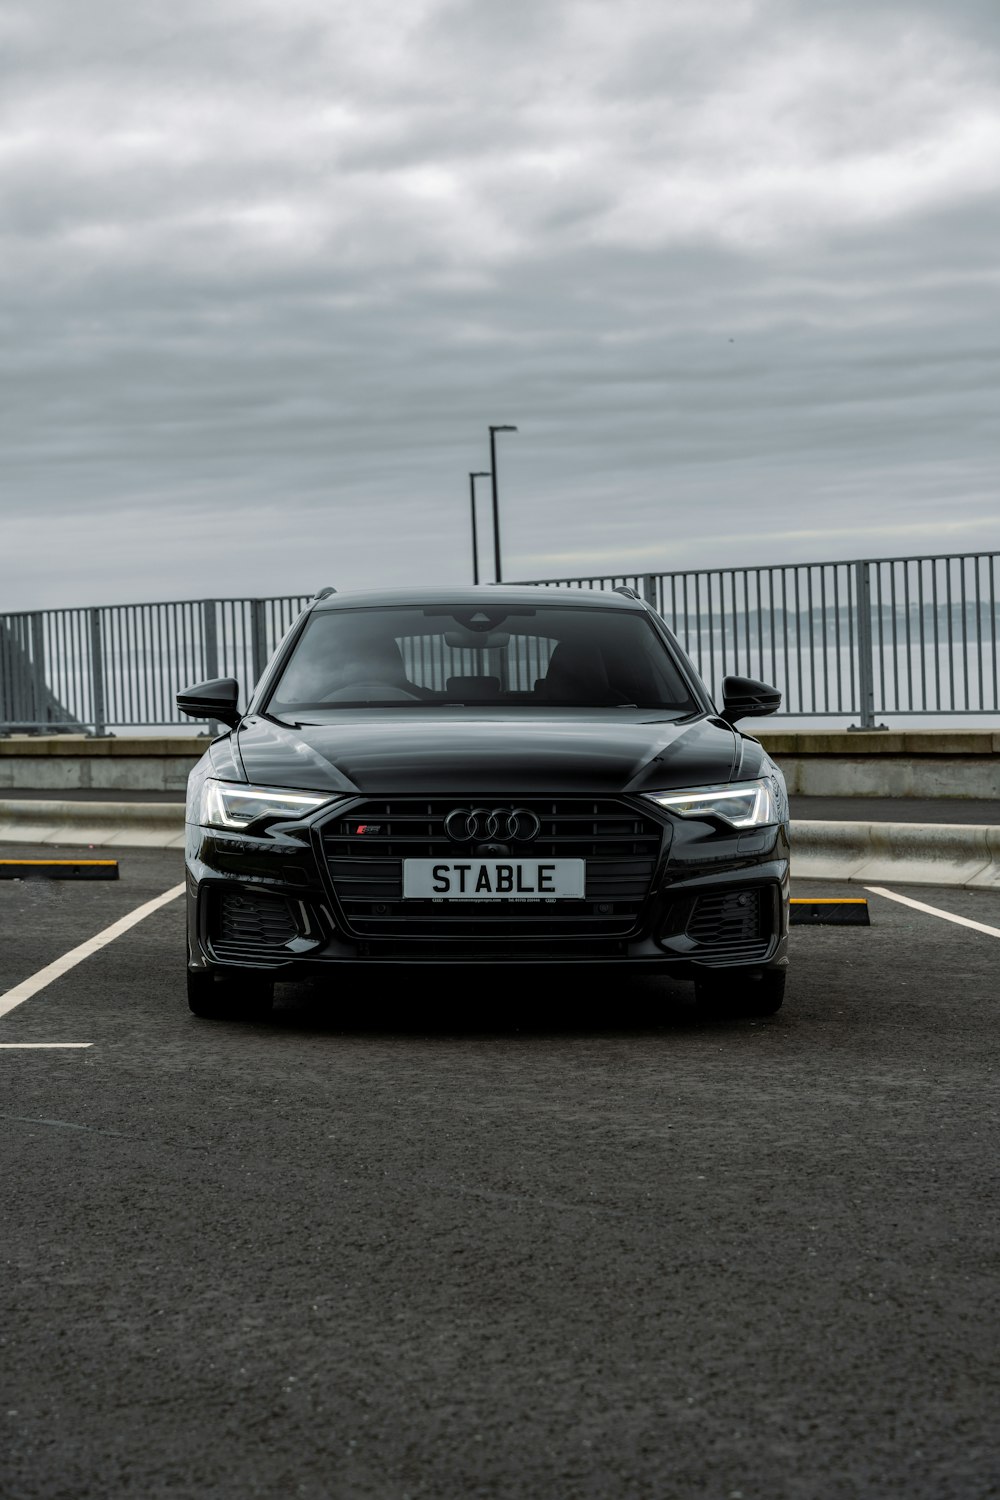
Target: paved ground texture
<point>558,1241</point>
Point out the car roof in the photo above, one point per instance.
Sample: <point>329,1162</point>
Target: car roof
<point>488,595</point>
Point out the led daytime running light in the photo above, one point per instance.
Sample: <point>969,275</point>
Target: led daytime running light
<point>747,805</point>
<point>255,794</point>
<point>227,804</point>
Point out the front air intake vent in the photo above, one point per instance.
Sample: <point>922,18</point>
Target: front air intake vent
<point>730,925</point>
<point>251,925</point>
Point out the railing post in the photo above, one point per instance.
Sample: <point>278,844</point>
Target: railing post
<point>258,637</point>
<point>649,589</point>
<point>38,684</point>
<point>866,665</point>
<point>210,649</point>
<point>10,680</point>
<point>97,672</point>
<point>210,639</point>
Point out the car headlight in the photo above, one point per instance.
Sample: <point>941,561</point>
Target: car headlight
<point>229,804</point>
<point>744,804</point>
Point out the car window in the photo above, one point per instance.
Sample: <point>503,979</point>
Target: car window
<point>570,656</point>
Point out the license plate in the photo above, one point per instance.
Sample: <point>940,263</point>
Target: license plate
<point>494,879</point>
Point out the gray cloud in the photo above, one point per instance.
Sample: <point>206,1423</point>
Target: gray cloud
<point>268,272</point>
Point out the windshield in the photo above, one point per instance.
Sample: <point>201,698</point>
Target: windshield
<point>447,656</point>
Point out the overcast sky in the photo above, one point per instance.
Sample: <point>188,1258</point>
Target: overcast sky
<point>271,267</point>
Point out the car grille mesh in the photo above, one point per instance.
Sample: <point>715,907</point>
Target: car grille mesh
<point>729,925</point>
<point>620,847</point>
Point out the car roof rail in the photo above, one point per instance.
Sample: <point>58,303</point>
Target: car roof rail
<point>623,588</point>
<point>324,593</point>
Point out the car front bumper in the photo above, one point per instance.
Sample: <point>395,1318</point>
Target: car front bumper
<point>716,900</point>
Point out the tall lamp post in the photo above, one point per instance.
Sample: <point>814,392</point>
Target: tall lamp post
<point>496,508</point>
<point>480,474</point>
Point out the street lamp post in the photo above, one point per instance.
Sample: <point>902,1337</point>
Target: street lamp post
<point>496,508</point>
<point>480,474</point>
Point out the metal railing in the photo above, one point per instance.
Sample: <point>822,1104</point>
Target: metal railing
<point>898,637</point>
<point>121,665</point>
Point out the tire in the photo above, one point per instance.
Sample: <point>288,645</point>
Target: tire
<point>732,995</point>
<point>241,996</point>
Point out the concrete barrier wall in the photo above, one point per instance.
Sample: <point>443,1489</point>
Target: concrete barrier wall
<point>893,763</point>
<point>70,762</point>
<point>902,776</point>
<point>900,853</point>
<point>816,763</point>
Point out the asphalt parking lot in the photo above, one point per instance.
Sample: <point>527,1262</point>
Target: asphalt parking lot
<point>555,1240</point>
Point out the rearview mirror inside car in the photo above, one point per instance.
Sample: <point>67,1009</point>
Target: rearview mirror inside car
<point>469,640</point>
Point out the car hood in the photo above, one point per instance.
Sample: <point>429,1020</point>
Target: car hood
<point>474,752</point>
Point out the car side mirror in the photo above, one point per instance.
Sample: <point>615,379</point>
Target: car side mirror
<point>212,700</point>
<point>746,698</point>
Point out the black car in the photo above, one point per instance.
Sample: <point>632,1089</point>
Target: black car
<point>501,776</point>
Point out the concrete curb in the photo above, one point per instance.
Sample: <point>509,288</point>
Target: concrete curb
<point>956,854</point>
<point>142,825</point>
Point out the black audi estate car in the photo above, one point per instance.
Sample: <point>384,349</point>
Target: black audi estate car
<point>512,777</point>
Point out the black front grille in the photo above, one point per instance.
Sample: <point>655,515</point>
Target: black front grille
<point>365,852</point>
<point>249,924</point>
<point>730,924</point>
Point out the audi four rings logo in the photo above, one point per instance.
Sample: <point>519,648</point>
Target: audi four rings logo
<point>464,824</point>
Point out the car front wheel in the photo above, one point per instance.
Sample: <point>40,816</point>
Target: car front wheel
<point>735,995</point>
<point>240,996</point>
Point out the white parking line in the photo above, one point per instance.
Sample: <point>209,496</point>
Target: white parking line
<point>934,911</point>
<point>29,987</point>
<point>34,1046</point>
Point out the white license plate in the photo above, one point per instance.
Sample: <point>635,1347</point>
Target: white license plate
<point>494,879</point>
